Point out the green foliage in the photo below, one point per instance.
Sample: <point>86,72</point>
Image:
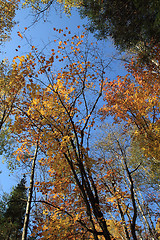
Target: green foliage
<point>149,165</point>
<point>7,145</point>
<point>4,137</point>
<point>12,213</point>
<point>127,22</point>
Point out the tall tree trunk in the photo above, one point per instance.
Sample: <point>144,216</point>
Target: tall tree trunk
<point>28,207</point>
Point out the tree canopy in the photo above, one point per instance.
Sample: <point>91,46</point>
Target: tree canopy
<point>93,182</point>
<point>8,10</point>
<point>128,23</point>
<point>86,196</point>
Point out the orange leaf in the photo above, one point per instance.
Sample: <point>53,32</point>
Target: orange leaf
<point>20,35</point>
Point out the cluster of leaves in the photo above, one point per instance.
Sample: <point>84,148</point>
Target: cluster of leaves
<point>11,84</point>
<point>135,100</point>
<point>127,22</point>
<point>40,6</point>
<point>7,9</point>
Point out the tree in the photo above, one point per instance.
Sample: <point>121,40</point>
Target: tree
<point>10,87</point>
<point>13,211</point>
<point>54,112</point>
<point>30,194</point>
<point>115,143</point>
<point>129,23</point>
<point>83,197</point>
<point>135,100</point>
<point>7,9</point>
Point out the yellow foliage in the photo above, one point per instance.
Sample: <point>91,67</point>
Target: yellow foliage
<point>67,4</point>
<point>7,10</point>
<point>11,84</point>
<point>158,227</point>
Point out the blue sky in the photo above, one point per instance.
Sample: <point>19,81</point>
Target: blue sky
<point>39,34</point>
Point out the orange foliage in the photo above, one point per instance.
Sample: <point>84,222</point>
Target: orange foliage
<point>79,191</point>
<point>60,113</point>
<point>135,100</point>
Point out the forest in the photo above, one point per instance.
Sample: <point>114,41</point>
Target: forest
<point>84,141</point>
